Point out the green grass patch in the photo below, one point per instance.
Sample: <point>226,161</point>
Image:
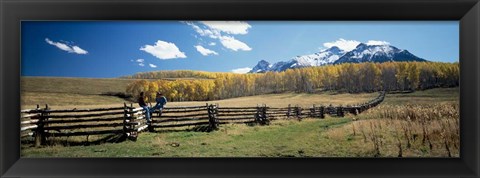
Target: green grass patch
<point>330,137</point>
<point>285,138</point>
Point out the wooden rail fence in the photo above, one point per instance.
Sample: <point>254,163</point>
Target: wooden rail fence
<point>44,123</point>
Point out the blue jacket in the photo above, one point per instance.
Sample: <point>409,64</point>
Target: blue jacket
<point>160,102</point>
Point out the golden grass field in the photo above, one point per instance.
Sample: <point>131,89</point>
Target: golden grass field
<point>65,93</point>
<point>70,91</point>
<point>372,133</point>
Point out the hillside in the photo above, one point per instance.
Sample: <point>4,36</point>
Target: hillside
<point>71,91</point>
<point>85,93</point>
<point>73,85</point>
<point>330,137</point>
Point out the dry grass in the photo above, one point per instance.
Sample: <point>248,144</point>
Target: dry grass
<point>73,85</point>
<point>431,96</point>
<point>67,100</point>
<point>75,92</point>
<point>273,100</point>
<point>283,100</point>
<point>405,124</point>
<point>66,93</point>
<point>406,131</point>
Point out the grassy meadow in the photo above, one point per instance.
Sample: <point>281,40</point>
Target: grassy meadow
<point>394,125</point>
<point>64,92</point>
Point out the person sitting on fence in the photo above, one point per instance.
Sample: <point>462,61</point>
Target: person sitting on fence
<point>141,102</point>
<point>161,102</point>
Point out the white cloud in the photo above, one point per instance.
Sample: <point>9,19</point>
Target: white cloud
<point>204,31</point>
<point>164,50</point>
<point>374,42</point>
<point>234,44</point>
<point>152,65</point>
<point>140,62</point>
<point>66,47</point>
<point>242,70</point>
<point>79,50</point>
<point>346,45</point>
<point>205,51</point>
<point>212,44</point>
<point>229,27</point>
<point>219,29</point>
<point>59,45</point>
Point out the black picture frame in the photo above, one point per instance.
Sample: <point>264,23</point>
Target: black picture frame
<point>14,11</point>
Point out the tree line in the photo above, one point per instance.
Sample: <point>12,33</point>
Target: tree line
<point>347,77</point>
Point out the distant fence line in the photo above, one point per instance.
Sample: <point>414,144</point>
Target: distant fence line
<point>43,123</point>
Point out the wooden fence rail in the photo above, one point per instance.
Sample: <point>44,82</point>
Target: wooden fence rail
<point>40,124</point>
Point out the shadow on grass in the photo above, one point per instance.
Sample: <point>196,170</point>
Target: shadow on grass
<point>401,92</point>
<point>201,128</point>
<point>118,94</point>
<point>111,138</point>
<point>117,138</point>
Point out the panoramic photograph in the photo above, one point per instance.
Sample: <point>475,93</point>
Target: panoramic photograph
<point>361,89</point>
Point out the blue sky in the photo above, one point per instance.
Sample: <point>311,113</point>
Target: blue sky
<point>106,49</point>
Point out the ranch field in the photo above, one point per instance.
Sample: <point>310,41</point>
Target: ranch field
<point>372,133</point>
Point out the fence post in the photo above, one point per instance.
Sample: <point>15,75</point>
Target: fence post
<point>261,115</point>
<point>313,111</point>
<point>47,113</point>
<point>132,130</point>
<point>215,112</point>
<point>212,116</point>
<point>289,111</point>
<point>127,117</point>
<point>298,112</point>
<point>322,112</point>
<point>39,131</point>
<point>264,114</point>
<point>340,111</point>
<point>257,115</point>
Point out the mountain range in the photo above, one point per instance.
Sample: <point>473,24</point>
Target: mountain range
<point>335,55</point>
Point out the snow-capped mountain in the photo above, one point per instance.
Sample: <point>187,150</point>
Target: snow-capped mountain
<point>377,53</point>
<point>334,55</point>
<point>261,67</point>
<point>281,66</point>
<point>324,57</point>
